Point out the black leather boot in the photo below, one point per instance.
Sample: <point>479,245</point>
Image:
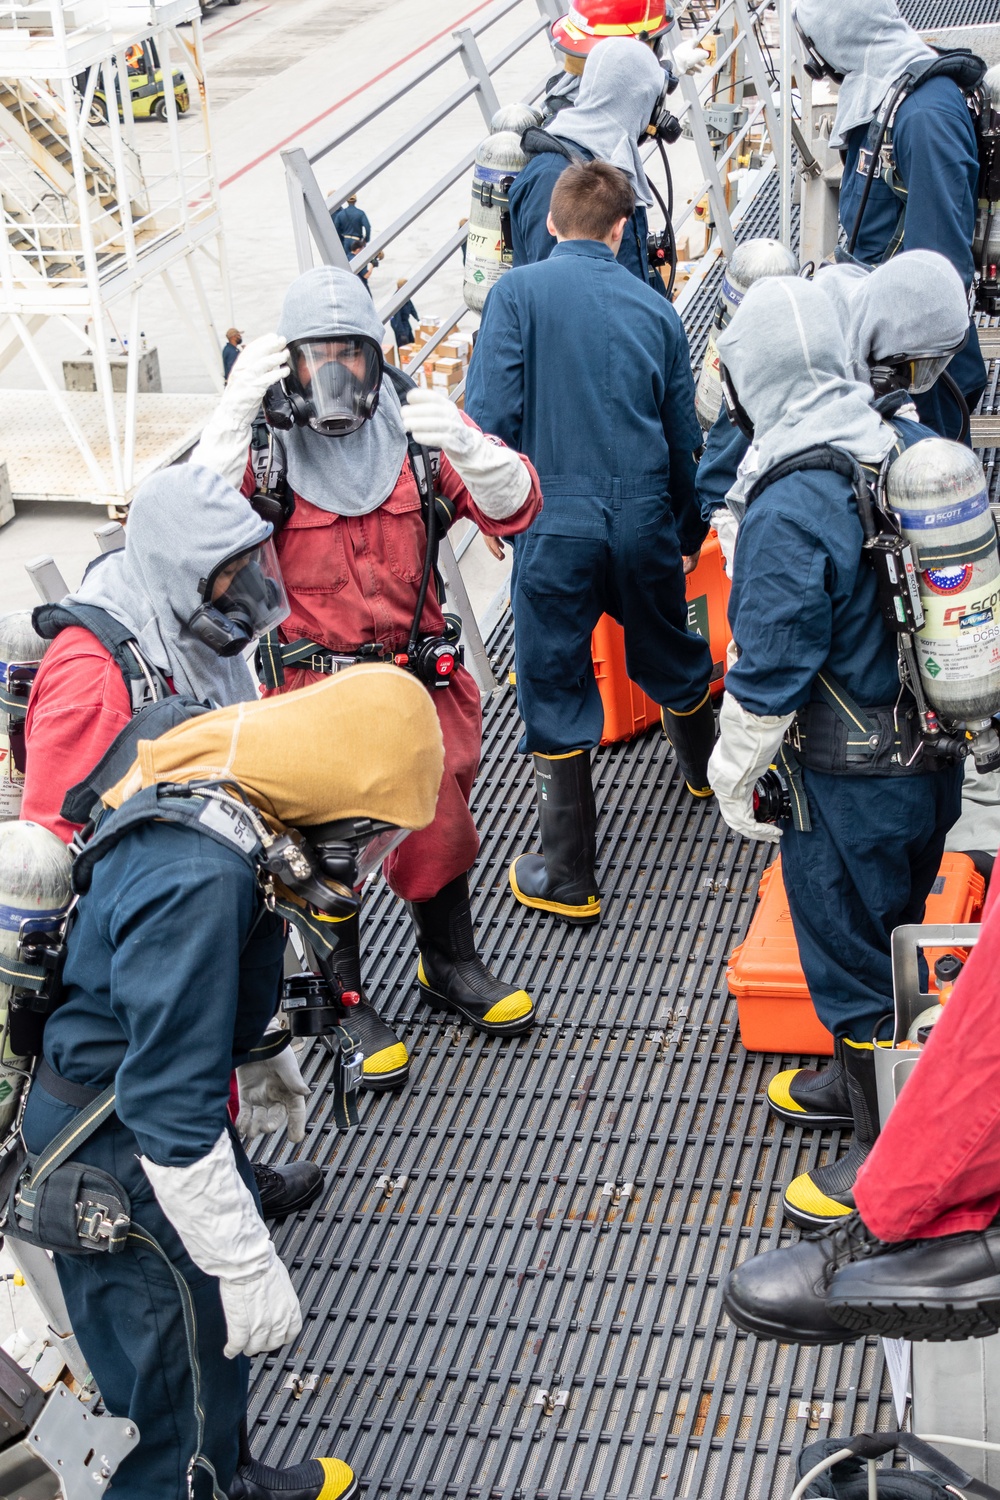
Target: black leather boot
<point>815,1098</point>
<point>387,1063</point>
<point>286,1190</point>
<point>561,879</point>
<point>691,736</point>
<point>329,1478</point>
<point>826,1193</point>
<point>450,972</point>
<point>939,1289</point>
<point>783,1294</point>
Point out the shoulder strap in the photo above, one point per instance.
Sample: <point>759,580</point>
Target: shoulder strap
<point>537,141</point>
<point>821,456</point>
<point>145,683</point>
<point>148,724</point>
<point>72,1136</point>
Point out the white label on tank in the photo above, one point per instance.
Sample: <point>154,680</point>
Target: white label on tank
<point>960,640</point>
<point>11,783</point>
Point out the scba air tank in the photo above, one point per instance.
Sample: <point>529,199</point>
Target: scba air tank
<point>937,490</point>
<point>488,250</point>
<point>986,245</point>
<point>21,650</point>
<point>748,263</point>
<point>35,893</point>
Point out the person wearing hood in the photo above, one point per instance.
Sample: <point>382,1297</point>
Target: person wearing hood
<point>188,840</point>
<point>870,821</point>
<point>353,554</point>
<point>621,94</point>
<point>166,617</point>
<point>575,35</point>
<point>620,526</point>
<point>927,199</point>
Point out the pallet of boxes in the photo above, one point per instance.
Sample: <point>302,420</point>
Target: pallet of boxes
<point>447,367</point>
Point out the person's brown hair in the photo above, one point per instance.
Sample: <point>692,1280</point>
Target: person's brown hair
<point>589,199</point>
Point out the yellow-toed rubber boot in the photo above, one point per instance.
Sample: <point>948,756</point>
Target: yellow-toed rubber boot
<point>691,736</point>
<point>826,1194</point>
<point>316,1479</point>
<point>561,879</point>
<point>387,1062</point>
<point>815,1098</point>
<point>450,972</point>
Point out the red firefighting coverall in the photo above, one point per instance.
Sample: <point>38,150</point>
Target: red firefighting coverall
<point>935,1169</point>
<point>352,580</point>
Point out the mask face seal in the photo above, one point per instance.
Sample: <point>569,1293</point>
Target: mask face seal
<point>333,386</point>
<point>735,411</point>
<point>815,65</point>
<point>915,373</point>
<point>351,849</point>
<point>663,124</point>
<point>252,602</point>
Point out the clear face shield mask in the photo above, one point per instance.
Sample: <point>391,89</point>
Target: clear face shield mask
<point>334,383</point>
<point>351,849</point>
<point>915,373</point>
<point>243,598</point>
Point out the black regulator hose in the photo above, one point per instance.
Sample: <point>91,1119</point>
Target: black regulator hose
<point>667,210</point>
<point>430,556</point>
<point>904,82</point>
<point>963,406</point>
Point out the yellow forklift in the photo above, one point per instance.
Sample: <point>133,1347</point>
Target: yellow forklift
<point>145,82</point>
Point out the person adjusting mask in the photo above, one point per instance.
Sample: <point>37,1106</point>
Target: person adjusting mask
<point>902,105</point>
<point>869,809</point>
<point>351,466</point>
<point>622,97</point>
<point>176,950</point>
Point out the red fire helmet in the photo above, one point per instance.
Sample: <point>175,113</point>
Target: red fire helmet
<point>590,21</point>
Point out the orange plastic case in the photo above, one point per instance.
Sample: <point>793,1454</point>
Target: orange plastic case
<point>764,973</point>
<point>627,710</point>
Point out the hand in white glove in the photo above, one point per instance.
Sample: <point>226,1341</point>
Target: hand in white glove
<point>494,476</point>
<point>746,746</point>
<point>213,1211</point>
<point>273,1093</point>
<point>226,437</point>
<point>726,527</point>
<point>690,58</point>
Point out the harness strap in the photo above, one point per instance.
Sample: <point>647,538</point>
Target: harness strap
<point>835,696</point>
<point>22,976</point>
<point>62,1146</point>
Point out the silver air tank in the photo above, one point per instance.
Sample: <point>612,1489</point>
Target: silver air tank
<point>20,652</point>
<point>34,896</point>
<point>986,243</point>
<point>488,251</point>
<point>937,491</point>
<point>748,263</point>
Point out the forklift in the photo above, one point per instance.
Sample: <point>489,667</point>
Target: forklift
<point>145,82</point>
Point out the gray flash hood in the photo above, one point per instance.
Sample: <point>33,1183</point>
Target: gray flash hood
<point>351,475</point>
<point>788,360</point>
<point>621,83</point>
<point>183,522</point>
<point>913,304</point>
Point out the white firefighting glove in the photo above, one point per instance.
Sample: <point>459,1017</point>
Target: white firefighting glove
<point>690,58</point>
<point>273,1093</point>
<point>213,1211</point>
<point>494,476</point>
<point>225,439</point>
<point>746,746</point>
<point>726,527</point>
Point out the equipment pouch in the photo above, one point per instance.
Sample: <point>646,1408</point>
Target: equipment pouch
<point>76,1210</point>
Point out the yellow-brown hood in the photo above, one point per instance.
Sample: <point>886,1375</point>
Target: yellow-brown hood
<point>366,743</point>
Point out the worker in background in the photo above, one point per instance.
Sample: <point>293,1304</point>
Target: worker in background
<point>174,954</point>
<point>231,350</point>
<point>866,844</point>
<point>351,223</point>
<point>353,554</point>
<point>920,1259</point>
<point>400,322</point>
<point>622,97</point>
<point>158,618</point>
<point>575,35</point>
<point>929,201</point>
<point>620,525</point>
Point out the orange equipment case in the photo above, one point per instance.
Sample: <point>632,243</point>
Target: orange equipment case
<point>764,973</point>
<point>627,710</point>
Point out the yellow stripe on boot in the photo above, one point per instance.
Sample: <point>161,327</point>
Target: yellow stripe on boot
<point>804,1197</point>
<point>585,912</point>
<point>510,1008</point>
<point>779,1091</point>
<point>338,1480</point>
<point>386,1061</point>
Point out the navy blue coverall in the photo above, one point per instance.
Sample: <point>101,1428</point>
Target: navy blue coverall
<point>351,223</point>
<point>529,208</point>
<point>804,600</point>
<point>725,448</point>
<point>171,976</point>
<point>401,325</point>
<point>936,158</point>
<point>589,373</point>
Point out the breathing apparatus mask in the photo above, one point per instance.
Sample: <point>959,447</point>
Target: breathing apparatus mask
<point>663,124</point>
<point>814,63</point>
<point>915,373</point>
<point>333,385</point>
<point>252,603</point>
<point>735,410</point>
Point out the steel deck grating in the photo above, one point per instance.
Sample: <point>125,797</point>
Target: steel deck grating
<point>927,15</point>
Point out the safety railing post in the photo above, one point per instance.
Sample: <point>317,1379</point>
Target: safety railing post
<point>475,66</point>
<point>309,209</point>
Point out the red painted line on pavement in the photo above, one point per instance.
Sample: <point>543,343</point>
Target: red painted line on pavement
<point>354,94</point>
<point>246,17</point>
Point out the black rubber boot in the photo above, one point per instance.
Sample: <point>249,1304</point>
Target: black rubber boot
<point>387,1063</point>
<point>691,736</point>
<point>826,1193</point>
<point>815,1098</point>
<point>940,1289</point>
<point>286,1190</point>
<point>450,972</point>
<point>327,1477</point>
<point>561,879</point>
<point>783,1294</point>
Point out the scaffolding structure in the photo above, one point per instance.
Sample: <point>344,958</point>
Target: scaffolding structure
<point>91,217</point>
